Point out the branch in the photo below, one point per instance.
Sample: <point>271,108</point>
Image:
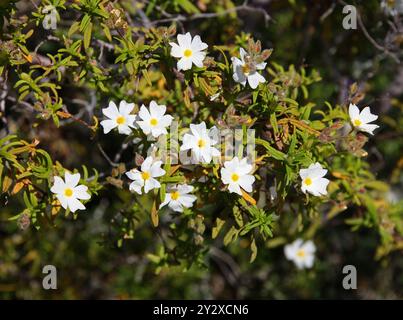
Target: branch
<point>243,7</point>
<point>370,38</point>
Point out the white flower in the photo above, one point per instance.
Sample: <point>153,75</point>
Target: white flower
<point>155,121</point>
<point>189,51</point>
<point>361,120</point>
<point>69,193</point>
<point>301,253</point>
<point>313,181</point>
<point>246,71</point>
<point>215,96</point>
<point>177,197</point>
<point>200,143</point>
<point>122,119</point>
<point>236,173</point>
<point>145,177</point>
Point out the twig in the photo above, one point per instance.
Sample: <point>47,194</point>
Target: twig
<point>243,7</point>
<point>122,149</point>
<point>3,96</point>
<point>327,13</point>
<point>371,39</point>
<point>113,164</point>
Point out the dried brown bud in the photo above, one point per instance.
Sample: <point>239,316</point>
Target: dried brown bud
<point>24,222</point>
<point>172,30</point>
<point>138,159</point>
<point>258,47</point>
<point>115,182</point>
<point>266,54</point>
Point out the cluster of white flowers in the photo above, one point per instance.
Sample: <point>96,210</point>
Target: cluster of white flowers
<point>152,121</point>
<point>191,51</point>
<point>313,182</point>
<point>236,174</point>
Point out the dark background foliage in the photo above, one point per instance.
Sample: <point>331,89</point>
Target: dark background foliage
<point>92,257</point>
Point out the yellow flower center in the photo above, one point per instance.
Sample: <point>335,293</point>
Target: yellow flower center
<point>175,195</point>
<point>120,120</point>
<point>68,192</point>
<point>301,253</point>
<point>187,53</point>
<point>201,143</point>
<point>308,181</point>
<point>357,122</point>
<point>153,122</point>
<point>245,69</point>
<point>235,177</point>
<point>145,175</point>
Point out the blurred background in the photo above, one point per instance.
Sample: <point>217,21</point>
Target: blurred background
<point>97,256</point>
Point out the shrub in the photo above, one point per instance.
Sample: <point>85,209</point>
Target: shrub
<point>59,84</point>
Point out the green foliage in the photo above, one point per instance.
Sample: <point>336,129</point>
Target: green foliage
<point>100,53</point>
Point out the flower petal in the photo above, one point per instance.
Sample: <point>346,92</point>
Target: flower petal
<point>80,192</point>
<point>246,182</point>
<point>184,64</point>
<point>254,79</point>
<point>234,187</point>
<point>166,200</point>
<point>136,186</point>
<point>184,40</point>
<point>156,110</point>
<point>198,58</point>
<point>124,129</point>
<point>144,114</point>
<point>176,50</point>
<point>75,204</point>
<point>71,179</point>
<point>63,200</point>
<point>175,205</point>
<point>369,128</point>
<point>197,44</point>
<point>156,170</point>
<point>125,108</point>
<point>108,125</point>
<point>111,111</point>
<point>242,53</point>
<point>187,200</point>
<point>353,111</point>
<point>146,165</point>
<point>58,185</point>
<point>198,130</point>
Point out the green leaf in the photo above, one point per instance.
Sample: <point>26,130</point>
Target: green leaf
<point>276,154</point>
<point>87,35</point>
<point>216,230</point>
<point>253,248</point>
<point>238,216</point>
<point>231,235</point>
<point>188,6</point>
